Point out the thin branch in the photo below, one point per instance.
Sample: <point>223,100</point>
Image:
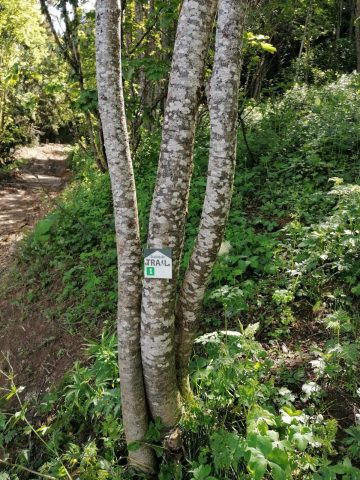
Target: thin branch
<point>16,465</point>
<point>146,33</point>
<point>243,129</point>
<point>61,46</point>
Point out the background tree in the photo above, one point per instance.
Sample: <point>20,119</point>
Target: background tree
<point>32,99</point>
<point>69,45</point>
<point>357,34</point>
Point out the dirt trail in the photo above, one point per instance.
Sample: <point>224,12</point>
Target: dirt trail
<point>22,194</point>
<point>38,347</point>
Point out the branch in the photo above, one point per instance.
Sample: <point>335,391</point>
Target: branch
<point>243,129</point>
<point>146,33</point>
<point>16,465</point>
<point>223,109</point>
<point>59,43</point>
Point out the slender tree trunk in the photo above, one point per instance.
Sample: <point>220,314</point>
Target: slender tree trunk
<point>2,110</point>
<point>169,206</point>
<point>245,4</point>
<point>93,145</point>
<point>258,78</point>
<point>357,35</point>
<point>304,39</point>
<point>223,106</point>
<point>101,139</point>
<point>112,111</point>
<point>139,19</point>
<point>340,6</point>
<point>62,47</point>
<point>351,22</point>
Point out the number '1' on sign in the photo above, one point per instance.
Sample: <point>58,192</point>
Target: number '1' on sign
<point>158,263</point>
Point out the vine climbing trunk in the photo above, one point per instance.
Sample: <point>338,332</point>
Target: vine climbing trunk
<point>169,205</point>
<point>112,111</point>
<point>223,107</point>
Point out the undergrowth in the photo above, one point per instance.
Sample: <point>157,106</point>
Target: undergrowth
<point>276,380</point>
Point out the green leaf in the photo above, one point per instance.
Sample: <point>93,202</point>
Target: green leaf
<point>44,226</point>
<point>301,440</point>
<point>251,329</point>
<point>279,457</point>
<point>277,472</point>
<point>257,464</point>
<point>2,421</point>
<point>133,446</point>
<point>227,449</point>
<point>10,395</point>
<point>260,442</point>
<point>268,47</point>
<point>202,472</point>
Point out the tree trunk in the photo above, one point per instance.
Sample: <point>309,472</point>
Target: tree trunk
<point>93,145</point>
<point>340,6</point>
<point>304,39</point>
<point>112,110</point>
<point>258,78</point>
<point>155,363</point>
<point>169,206</point>
<point>223,106</point>
<point>357,35</point>
<point>2,110</point>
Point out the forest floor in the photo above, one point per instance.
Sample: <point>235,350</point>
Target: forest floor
<point>38,350</point>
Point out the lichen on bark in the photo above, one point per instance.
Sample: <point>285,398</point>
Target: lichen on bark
<point>169,205</point>
<point>112,111</point>
<point>223,106</point>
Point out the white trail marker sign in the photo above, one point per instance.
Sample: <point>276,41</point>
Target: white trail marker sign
<point>158,263</point>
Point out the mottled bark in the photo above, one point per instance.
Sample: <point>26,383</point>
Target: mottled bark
<point>169,206</point>
<point>223,105</point>
<point>112,111</point>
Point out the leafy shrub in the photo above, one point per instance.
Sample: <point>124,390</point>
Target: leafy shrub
<point>248,425</point>
<point>241,423</point>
